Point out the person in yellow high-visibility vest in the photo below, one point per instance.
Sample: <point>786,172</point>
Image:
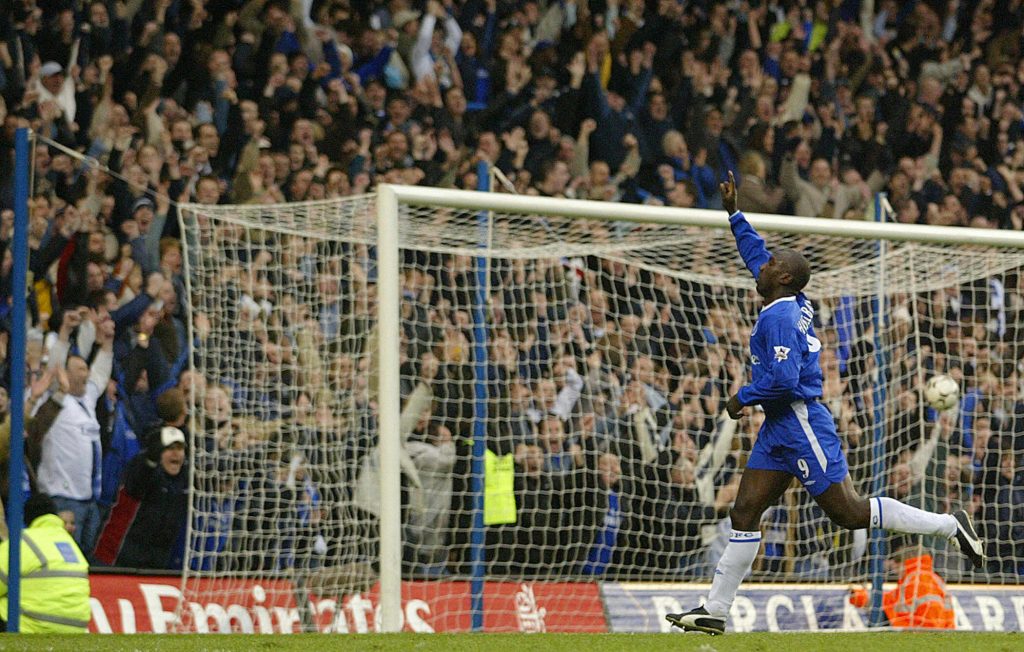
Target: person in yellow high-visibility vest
<point>54,574</point>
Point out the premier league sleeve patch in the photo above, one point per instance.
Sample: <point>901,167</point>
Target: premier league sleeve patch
<point>781,353</point>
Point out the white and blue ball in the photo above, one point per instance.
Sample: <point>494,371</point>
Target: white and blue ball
<point>941,392</point>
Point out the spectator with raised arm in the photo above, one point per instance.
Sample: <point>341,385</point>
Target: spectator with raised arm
<point>366,493</point>
<point>433,56</point>
<point>70,461</point>
<point>433,452</point>
<point>822,195</point>
<point>158,479</point>
<point>610,108</point>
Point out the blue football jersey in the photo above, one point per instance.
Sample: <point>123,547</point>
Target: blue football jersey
<point>783,348</point>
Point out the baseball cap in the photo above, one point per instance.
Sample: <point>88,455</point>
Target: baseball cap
<point>403,17</point>
<point>50,68</point>
<point>142,202</point>
<point>169,436</point>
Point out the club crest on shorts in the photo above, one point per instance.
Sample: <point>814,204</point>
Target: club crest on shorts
<point>781,353</point>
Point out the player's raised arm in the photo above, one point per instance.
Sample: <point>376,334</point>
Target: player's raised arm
<point>748,242</point>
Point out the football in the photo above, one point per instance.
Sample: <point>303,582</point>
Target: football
<point>941,392</point>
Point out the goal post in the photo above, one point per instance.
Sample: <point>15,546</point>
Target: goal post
<point>424,196</point>
<point>343,348</point>
<point>23,142</point>
<point>391,198</point>
<point>877,538</point>
<point>390,437</point>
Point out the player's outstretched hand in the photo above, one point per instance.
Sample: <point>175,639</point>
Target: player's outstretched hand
<point>734,407</point>
<point>728,191</point>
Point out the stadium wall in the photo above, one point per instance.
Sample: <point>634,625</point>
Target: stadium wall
<point>144,603</point>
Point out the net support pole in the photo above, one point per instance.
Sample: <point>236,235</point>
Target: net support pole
<point>389,403</point>
<point>477,537</point>
<point>878,544</point>
<point>16,466</point>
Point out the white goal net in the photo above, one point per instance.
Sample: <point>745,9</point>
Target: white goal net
<point>602,355</point>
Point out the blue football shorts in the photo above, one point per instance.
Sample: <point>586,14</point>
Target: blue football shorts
<point>801,440</point>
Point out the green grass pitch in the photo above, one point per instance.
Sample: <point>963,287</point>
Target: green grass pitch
<point>760,642</point>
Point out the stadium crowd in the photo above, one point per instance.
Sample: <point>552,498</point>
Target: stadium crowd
<point>607,394</point>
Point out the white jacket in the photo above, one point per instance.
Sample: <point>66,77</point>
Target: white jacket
<point>367,491</point>
<point>422,60</point>
<point>71,456</point>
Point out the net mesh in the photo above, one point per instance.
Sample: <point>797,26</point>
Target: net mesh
<point>611,350</point>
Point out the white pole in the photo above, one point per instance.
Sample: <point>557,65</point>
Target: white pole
<point>862,229</point>
<point>389,406</point>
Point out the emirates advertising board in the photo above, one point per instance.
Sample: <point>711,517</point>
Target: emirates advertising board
<point>130,604</point>
<point>634,607</point>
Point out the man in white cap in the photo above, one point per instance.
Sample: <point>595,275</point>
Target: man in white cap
<point>59,88</point>
<point>156,478</point>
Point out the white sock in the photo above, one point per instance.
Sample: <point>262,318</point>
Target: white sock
<point>732,568</point>
<point>860,544</point>
<point>893,515</point>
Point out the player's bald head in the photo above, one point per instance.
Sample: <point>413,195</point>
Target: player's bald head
<point>794,264</point>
